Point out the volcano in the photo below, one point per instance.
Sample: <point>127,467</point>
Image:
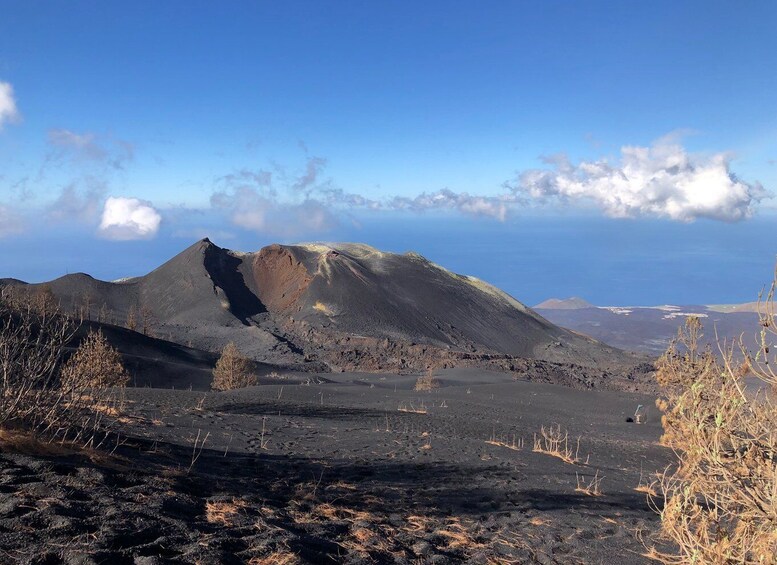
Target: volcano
<point>334,307</point>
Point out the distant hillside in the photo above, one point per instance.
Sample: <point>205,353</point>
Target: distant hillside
<point>573,303</point>
<point>651,329</point>
<point>729,308</point>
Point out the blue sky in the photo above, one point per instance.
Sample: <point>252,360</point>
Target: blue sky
<point>127,130</point>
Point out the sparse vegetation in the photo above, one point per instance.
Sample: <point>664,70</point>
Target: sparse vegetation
<point>33,335</point>
<point>147,321</point>
<point>589,486</point>
<point>718,503</point>
<point>132,318</point>
<point>95,364</point>
<point>553,441</point>
<point>34,396</point>
<point>506,441</point>
<point>232,370</point>
<point>410,407</point>
<point>427,382</point>
<point>223,512</point>
<point>276,558</point>
<point>645,485</point>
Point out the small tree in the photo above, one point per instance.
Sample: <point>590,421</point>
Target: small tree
<point>147,321</point>
<point>232,370</point>
<point>95,364</point>
<point>132,321</point>
<point>46,301</point>
<point>102,315</point>
<point>427,382</point>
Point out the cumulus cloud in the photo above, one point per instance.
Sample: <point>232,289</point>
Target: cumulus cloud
<point>662,180</point>
<point>129,218</point>
<point>10,222</point>
<point>8,110</point>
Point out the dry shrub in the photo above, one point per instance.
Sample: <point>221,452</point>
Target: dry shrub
<point>555,442</point>
<point>232,370</point>
<point>95,364</point>
<point>427,382</point>
<point>33,335</point>
<point>718,503</point>
<point>589,486</point>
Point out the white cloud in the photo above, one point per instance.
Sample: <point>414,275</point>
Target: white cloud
<point>8,109</point>
<point>662,180</point>
<point>10,223</point>
<point>102,150</point>
<point>255,210</point>
<point>489,206</point>
<point>202,232</point>
<point>79,201</point>
<point>309,179</point>
<point>129,218</point>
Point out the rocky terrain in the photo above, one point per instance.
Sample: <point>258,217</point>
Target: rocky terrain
<point>345,468</point>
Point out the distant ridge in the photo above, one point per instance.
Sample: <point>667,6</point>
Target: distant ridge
<point>729,308</point>
<point>572,303</point>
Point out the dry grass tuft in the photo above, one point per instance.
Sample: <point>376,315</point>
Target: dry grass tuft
<point>276,558</point>
<point>555,442</point>
<point>644,486</point>
<point>417,524</point>
<point>506,442</point>
<point>592,487</point>
<point>409,407</point>
<point>457,536</point>
<point>27,443</point>
<point>223,512</point>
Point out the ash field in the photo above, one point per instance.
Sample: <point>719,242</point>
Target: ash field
<point>333,456</point>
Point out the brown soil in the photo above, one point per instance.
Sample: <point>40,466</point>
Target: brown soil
<point>280,278</point>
